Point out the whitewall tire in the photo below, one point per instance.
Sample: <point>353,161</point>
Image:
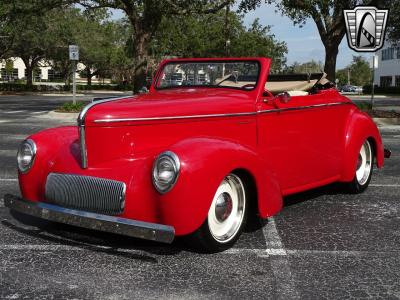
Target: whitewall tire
<point>364,167</point>
<point>226,216</point>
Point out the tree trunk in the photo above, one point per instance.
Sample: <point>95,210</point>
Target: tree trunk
<point>89,76</point>
<point>29,75</point>
<point>331,52</point>
<point>141,56</point>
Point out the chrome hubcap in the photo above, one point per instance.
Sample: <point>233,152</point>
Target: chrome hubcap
<point>223,207</point>
<point>364,163</point>
<point>227,209</point>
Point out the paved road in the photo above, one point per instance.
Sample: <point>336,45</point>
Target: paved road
<point>324,244</point>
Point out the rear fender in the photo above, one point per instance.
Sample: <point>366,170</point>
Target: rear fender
<point>204,164</point>
<point>360,127</point>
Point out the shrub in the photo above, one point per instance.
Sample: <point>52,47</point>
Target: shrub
<point>71,108</point>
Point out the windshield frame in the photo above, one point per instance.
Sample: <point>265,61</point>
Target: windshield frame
<point>205,61</point>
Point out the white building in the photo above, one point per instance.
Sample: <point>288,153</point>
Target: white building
<point>44,72</point>
<point>388,70</point>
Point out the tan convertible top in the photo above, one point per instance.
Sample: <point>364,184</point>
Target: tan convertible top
<point>294,82</point>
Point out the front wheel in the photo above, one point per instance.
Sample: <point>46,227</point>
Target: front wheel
<point>226,217</point>
<point>364,168</point>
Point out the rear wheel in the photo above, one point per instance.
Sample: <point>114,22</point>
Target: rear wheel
<point>364,168</point>
<point>226,217</point>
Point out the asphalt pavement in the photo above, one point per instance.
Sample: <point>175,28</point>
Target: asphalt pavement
<point>324,244</point>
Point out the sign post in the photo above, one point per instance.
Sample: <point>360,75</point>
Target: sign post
<point>74,57</point>
<point>374,65</point>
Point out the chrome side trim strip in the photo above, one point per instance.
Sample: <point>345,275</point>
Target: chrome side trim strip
<point>219,115</point>
<point>81,127</point>
<point>302,107</point>
<point>174,117</point>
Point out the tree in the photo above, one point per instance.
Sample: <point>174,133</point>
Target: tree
<point>360,72</point>
<point>327,15</point>
<point>186,36</point>
<point>30,35</point>
<point>145,17</point>
<point>393,21</point>
<point>307,67</point>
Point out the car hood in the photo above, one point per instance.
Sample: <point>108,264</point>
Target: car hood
<point>170,105</point>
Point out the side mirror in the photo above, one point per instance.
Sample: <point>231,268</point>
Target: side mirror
<point>283,97</point>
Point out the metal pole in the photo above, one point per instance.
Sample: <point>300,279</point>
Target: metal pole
<point>373,80</point>
<point>74,82</point>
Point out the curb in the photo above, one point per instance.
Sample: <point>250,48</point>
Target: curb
<point>58,115</point>
<point>387,121</point>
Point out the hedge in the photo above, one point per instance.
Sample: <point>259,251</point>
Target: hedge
<point>21,87</point>
<point>382,90</point>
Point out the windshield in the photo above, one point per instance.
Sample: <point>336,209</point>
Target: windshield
<point>231,74</point>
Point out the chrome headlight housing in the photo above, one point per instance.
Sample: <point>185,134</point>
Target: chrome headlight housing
<point>26,155</point>
<point>165,171</point>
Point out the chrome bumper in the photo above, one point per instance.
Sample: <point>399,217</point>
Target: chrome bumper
<point>137,229</point>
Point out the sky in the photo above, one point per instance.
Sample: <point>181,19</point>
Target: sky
<point>304,44</point>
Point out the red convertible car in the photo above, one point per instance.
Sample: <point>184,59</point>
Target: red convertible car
<point>210,140</point>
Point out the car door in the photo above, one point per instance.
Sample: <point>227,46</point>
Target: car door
<point>303,139</point>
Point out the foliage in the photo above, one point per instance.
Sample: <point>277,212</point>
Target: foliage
<point>186,36</point>
<point>145,17</point>
<point>360,72</point>
<point>388,90</point>
<point>364,105</point>
<point>393,25</point>
<point>307,67</point>
<point>327,15</point>
<point>71,107</point>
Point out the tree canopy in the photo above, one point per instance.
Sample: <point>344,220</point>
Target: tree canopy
<point>360,72</point>
<point>326,14</point>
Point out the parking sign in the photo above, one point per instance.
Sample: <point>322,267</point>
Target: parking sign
<point>73,52</point>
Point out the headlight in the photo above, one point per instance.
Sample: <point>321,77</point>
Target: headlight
<point>165,171</point>
<point>26,155</point>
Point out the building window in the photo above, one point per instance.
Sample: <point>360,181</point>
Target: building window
<point>37,74</point>
<point>53,75</point>
<point>386,81</point>
<point>388,53</point>
<point>7,76</point>
<point>397,81</point>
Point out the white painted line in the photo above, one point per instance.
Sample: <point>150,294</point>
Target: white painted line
<point>9,179</point>
<point>280,266</point>
<point>272,238</point>
<point>8,152</point>
<point>39,112</point>
<point>13,111</point>
<point>385,185</point>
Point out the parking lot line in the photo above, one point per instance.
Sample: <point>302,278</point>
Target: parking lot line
<point>9,179</point>
<point>280,266</point>
<point>384,185</point>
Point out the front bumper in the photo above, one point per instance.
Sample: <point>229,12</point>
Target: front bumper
<point>137,229</point>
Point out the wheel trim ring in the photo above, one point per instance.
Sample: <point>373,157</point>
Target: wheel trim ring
<point>225,231</point>
<point>364,169</point>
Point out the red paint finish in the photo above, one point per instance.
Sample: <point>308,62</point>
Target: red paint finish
<point>284,147</point>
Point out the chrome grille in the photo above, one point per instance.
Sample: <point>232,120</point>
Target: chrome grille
<point>86,193</point>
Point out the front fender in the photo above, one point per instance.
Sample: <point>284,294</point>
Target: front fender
<point>48,143</point>
<point>204,164</point>
<point>360,127</point>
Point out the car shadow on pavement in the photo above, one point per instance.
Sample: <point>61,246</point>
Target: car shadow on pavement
<point>331,189</point>
<point>91,240</point>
